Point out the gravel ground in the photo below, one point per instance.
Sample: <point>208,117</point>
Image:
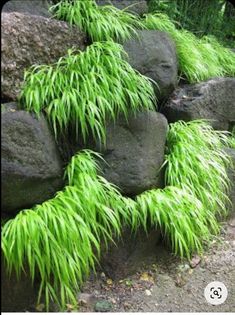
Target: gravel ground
<point>164,283</point>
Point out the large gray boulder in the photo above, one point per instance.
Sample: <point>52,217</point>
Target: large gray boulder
<point>213,99</point>
<point>33,7</point>
<point>134,152</point>
<point>28,40</point>
<point>139,7</point>
<point>153,55</point>
<point>31,167</point>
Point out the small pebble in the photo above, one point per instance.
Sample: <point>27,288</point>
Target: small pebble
<point>195,261</point>
<point>148,292</point>
<point>102,276</point>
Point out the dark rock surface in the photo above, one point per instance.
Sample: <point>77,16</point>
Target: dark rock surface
<point>135,152</point>
<point>31,166</point>
<point>17,295</point>
<point>32,40</point>
<point>153,55</point>
<point>213,99</point>
<point>129,253</point>
<point>33,7</point>
<point>139,6</point>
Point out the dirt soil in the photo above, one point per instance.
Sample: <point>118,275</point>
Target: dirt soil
<point>164,283</point>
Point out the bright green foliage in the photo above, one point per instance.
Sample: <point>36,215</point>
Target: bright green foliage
<point>58,238</point>
<point>180,216</point>
<point>202,17</point>
<point>61,238</point>
<point>232,139</point>
<point>199,59</point>
<point>197,163</point>
<point>196,187</point>
<point>99,22</point>
<point>84,90</point>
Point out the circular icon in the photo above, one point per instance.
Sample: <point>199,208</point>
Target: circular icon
<point>216,293</point>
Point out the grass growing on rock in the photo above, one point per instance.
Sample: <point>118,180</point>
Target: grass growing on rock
<point>197,163</point>
<point>99,22</point>
<point>199,59</point>
<point>197,185</point>
<point>61,238</point>
<point>85,89</point>
<point>180,216</point>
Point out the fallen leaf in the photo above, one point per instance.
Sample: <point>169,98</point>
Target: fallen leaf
<point>109,281</point>
<point>40,307</point>
<point>70,307</point>
<point>146,277</point>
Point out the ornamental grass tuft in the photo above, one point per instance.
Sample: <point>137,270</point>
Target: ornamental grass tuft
<point>197,163</point>
<point>59,238</point>
<point>180,216</point>
<point>85,89</point>
<point>99,22</point>
<point>199,59</point>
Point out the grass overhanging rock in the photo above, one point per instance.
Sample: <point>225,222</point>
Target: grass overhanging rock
<point>60,238</point>
<point>99,22</point>
<point>199,59</point>
<point>85,89</point>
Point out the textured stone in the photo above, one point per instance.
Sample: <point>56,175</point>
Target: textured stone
<point>33,7</point>
<point>134,152</point>
<point>213,99</point>
<point>128,255</point>
<point>138,7</point>
<point>32,40</point>
<point>31,167</point>
<point>17,295</point>
<point>153,55</point>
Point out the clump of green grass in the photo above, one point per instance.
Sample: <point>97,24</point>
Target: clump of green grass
<point>200,17</point>
<point>232,138</point>
<point>197,163</point>
<point>199,59</point>
<point>85,89</point>
<point>99,22</point>
<point>59,237</point>
<point>196,190</point>
<point>181,217</point>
